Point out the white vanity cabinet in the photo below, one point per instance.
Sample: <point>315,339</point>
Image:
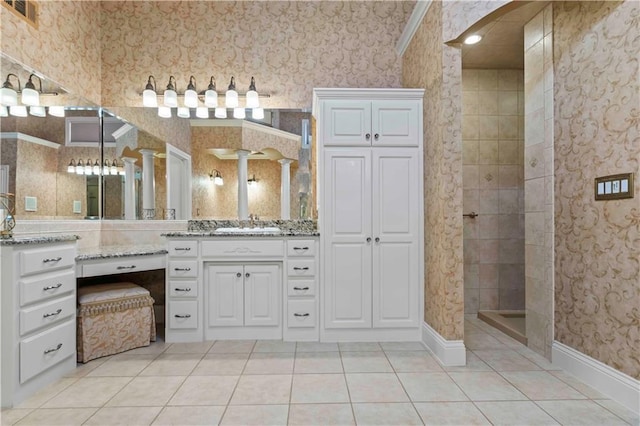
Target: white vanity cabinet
<point>38,316</point>
<point>183,293</point>
<point>302,290</point>
<point>366,122</point>
<point>370,214</point>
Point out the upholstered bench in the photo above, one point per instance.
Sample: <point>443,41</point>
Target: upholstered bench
<point>113,318</point>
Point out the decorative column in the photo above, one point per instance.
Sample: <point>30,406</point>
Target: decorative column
<point>148,184</point>
<point>285,189</point>
<point>129,188</point>
<point>243,176</point>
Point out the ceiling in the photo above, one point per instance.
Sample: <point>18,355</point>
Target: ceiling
<point>502,44</point>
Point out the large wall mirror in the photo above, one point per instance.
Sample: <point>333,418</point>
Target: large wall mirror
<point>97,163</point>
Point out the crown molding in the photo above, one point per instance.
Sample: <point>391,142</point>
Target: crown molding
<point>419,11</point>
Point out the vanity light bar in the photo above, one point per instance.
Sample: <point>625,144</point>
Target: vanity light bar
<point>93,168</point>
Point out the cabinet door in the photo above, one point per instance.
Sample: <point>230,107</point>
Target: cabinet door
<point>347,123</point>
<point>396,123</point>
<point>225,295</point>
<point>347,226</point>
<point>395,229</point>
<point>262,295</point>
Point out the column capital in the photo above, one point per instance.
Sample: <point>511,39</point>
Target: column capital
<point>284,161</point>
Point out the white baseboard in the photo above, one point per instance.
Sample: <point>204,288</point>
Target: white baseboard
<point>450,353</point>
<point>605,379</point>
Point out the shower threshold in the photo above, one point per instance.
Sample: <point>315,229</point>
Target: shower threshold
<point>511,323</point>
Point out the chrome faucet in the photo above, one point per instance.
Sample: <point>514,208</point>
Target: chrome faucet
<point>252,220</point>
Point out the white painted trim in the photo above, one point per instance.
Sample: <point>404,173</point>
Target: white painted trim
<point>246,125</point>
<point>185,158</point>
<point>4,178</point>
<point>322,93</point>
<point>419,11</point>
<point>607,380</point>
<point>29,138</point>
<point>451,353</point>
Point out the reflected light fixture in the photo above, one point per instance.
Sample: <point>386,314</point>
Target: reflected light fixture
<point>150,96</point>
<point>202,112</point>
<point>220,112</point>
<point>18,110</point>
<point>37,111</point>
<point>79,168</point>
<point>472,39</point>
<point>71,168</point>
<point>87,168</point>
<point>164,111</point>
<point>239,113</point>
<point>170,95</point>
<point>183,112</point>
<point>191,96</point>
<point>216,178</point>
<point>211,96</point>
<point>56,111</point>
<point>30,96</point>
<point>4,112</point>
<point>252,181</point>
<point>113,170</point>
<point>8,95</point>
<point>257,113</point>
<point>231,96</point>
<point>96,168</point>
<point>252,95</point>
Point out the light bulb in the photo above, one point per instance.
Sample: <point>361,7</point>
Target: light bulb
<point>4,112</point>
<point>239,113</point>
<point>96,168</point>
<point>37,111</point>
<point>221,112</point>
<point>56,111</point>
<point>231,96</point>
<point>71,168</point>
<point>257,113</point>
<point>114,168</point>
<point>202,112</point>
<point>80,168</point>
<point>252,95</point>
<point>170,95</point>
<point>18,110</point>
<point>473,39</point>
<point>164,111</point>
<point>8,96</point>
<point>183,112</point>
<point>87,168</point>
<point>149,96</point>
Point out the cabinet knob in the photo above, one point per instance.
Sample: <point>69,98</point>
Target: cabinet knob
<point>238,275</point>
<point>247,275</point>
<point>377,240</point>
<point>368,239</point>
<point>376,136</point>
<point>368,136</point>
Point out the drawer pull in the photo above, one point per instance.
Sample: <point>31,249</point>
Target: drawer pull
<point>182,316</point>
<point>126,267</point>
<point>52,314</point>
<point>297,268</point>
<point>182,249</point>
<point>52,287</point>
<point>301,288</point>
<point>301,248</point>
<point>183,289</point>
<point>182,269</point>
<point>56,349</point>
<point>301,315</point>
<point>52,259</point>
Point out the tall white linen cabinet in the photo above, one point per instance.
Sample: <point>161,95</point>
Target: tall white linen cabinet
<point>370,213</point>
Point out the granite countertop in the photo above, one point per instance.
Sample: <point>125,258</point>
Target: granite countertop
<point>212,228</point>
<point>37,240</point>
<point>110,252</point>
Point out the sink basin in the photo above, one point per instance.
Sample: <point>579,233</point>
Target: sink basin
<point>265,230</point>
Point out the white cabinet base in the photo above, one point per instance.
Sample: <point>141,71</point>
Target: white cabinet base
<point>371,335</point>
<point>243,333</point>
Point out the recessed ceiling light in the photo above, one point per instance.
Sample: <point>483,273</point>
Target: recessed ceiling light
<point>472,39</point>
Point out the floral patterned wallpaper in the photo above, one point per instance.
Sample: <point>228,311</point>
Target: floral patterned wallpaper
<point>65,47</point>
<point>289,46</point>
<point>597,133</point>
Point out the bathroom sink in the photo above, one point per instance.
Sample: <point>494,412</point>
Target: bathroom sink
<point>265,230</point>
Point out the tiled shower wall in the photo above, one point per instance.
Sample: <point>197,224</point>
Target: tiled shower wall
<point>493,182</point>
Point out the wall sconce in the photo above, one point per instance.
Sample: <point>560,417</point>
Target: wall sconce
<point>8,95</point>
<point>216,178</point>
<point>93,168</point>
<point>209,97</point>
<point>31,96</point>
<point>252,181</point>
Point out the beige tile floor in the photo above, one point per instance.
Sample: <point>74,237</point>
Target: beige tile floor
<point>270,382</point>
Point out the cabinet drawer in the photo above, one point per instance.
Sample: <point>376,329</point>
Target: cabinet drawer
<point>301,248</point>
<point>46,286</point>
<point>245,248</point>
<point>183,314</point>
<point>33,261</point>
<point>40,352</point>
<point>301,313</point>
<point>122,265</point>
<point>47,313</point>
<point>183,288</point>
<point>301,268</point>
<point>183,268</point>
<point>301,287</point>
<point>183,248</point>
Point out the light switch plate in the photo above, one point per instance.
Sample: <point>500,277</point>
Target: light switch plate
<point>77,206</point>
<point>614,187</point>
<point>30,204</point>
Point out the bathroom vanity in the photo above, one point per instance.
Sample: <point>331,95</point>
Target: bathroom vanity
<point>242,283</point>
